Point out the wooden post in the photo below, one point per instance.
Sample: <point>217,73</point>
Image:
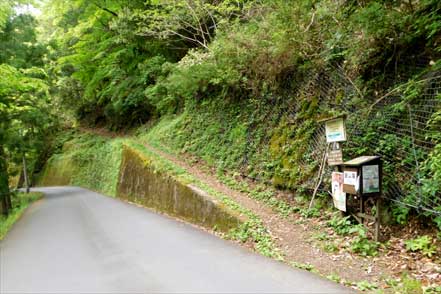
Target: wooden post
<point>362,218</point>
<point>378,220</point>
<point>320,178</point>
<point>5,197</point>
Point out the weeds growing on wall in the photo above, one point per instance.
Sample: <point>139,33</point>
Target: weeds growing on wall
<point>86,160</point>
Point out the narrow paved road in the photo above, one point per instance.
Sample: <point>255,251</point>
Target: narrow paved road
<point>77,241</point>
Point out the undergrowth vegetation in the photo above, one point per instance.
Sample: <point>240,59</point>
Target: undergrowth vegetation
<point>360,243</point>
<point>422,244</point>
<point>20,201</point>
<point>85,160</point>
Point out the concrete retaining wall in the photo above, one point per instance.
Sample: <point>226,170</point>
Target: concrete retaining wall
<point>141,183</point>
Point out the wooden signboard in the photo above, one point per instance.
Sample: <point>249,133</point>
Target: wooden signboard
<point>335,157</point>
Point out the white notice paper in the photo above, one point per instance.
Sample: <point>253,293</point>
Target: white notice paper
<point>350,178</point>
<point>338,195</point>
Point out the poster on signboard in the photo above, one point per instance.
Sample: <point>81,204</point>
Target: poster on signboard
<point>335,130</point>
<point>350,178</point>
<point>371,179</point>
<point>338,195</point>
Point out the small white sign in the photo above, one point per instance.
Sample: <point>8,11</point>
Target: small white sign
<point>338,195</point>
<point>335,130</point>
<point>350,178</point>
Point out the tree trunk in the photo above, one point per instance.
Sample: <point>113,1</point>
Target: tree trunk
<point>5,197</point>
<point>20,183</point>
<point>25,173</point>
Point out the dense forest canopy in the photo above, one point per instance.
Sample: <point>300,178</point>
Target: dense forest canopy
<point>123,63</point>
<point>169,52</point>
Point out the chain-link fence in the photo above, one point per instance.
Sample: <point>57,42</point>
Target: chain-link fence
<point>404,138</point>
<point>395,126</point>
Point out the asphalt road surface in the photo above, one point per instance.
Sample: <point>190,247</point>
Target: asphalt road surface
<point>78,241</point>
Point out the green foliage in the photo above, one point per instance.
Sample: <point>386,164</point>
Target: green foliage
<point>18,43</point>
<point>431,184</point>
<point>363,246</point>
<point>212,85</point>
<point>334,277</point>
<point>94,162</point>
<point>410,285</point>
<point>135,48</point>
<point>407,285</point>
<point>6,10</point>
<point>340,225</point>
<point>25,114</point>
<point>25,122</point>
<point>366,286</point>
<point>421,244</point>
<point>20,202</point>
<point>330,247</point>
<point>400,214</point>
<point>304,266</point>
<point>321,236</point>
<point>360,243</point>
<point>240,84</point>
<point>433,290</point>
<point>308,213</point>
<point>255,232</point>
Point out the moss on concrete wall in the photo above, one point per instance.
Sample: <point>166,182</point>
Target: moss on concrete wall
<point>58,171</point>
<point>140,182</point>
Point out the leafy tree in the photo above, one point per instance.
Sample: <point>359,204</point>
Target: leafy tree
<point>24,101</point>
<point>18,43</point>
<point>24,115</point>
<point>110,52</point>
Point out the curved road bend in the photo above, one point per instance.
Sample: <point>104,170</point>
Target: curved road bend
<point>78,241</point>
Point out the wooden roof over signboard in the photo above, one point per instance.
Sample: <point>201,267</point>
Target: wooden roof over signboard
<point>332,118</point>
<point>360,160</point>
